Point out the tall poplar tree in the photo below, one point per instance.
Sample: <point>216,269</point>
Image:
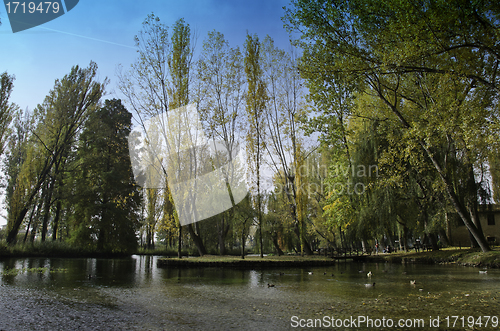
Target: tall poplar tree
<point>179,64</point>
<point>6,108</point>
<point>255,107</point>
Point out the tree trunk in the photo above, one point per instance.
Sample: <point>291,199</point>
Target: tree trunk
<point>29,223</point>
<point>33,232</point>
<point>222,230</point>
<point>302,241</point>
<point>444,237</point>
<point>148,236</point>
<point>276,245</point>
<point>55,224</point>
<point>405,238</point>
<point>11,237</point>
<point>197,240</point>
<point>450,190</point>
<point>363,246</point>
<point>243,244</point>
<point>259,217</point>
<point>102,236</point>
<point>179,243</point>
<point>46,211</point>
<point>459,207</point>
<point>434,242</point>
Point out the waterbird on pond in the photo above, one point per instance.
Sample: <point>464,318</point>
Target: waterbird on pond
<point>369,274</point>
<point>370,285</point>
<point>310,272</point>
<point>483,271</point>
<point>412,282</point>
<point>270,285</point>
<point>282,273</point>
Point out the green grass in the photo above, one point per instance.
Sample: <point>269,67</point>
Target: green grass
<point>283,258</point>
<point>472,257</point>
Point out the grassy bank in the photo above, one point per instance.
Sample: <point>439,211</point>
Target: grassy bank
<point>469,257</point>
<point>448,255</point>
<point>248,262</point>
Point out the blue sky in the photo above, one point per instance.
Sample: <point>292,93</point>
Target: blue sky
<point>103,32</point>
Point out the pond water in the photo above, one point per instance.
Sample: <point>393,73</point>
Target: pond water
<point>133,294</point>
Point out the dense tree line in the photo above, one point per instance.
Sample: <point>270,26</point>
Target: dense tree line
<point>381,124</point>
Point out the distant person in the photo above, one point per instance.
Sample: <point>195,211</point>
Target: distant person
<point>376,248</point>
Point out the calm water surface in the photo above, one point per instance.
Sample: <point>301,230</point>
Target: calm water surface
<point>132,294</point>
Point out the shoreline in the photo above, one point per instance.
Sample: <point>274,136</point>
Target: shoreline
<point>464,257</point>
<point>247,263</point>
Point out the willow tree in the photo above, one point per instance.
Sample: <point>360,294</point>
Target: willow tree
<point>433,65</point>
<point>255,106</point>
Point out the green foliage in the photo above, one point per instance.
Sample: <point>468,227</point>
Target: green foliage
<point>58,122</point>
<point>107,198</point>
<point>431,65</point>
<point>179,64</point>
<point>7,109</point>
<point>17,147</point>
<point>256,102</point>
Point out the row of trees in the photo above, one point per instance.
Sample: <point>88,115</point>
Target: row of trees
<point>402,97</point>
<point>251,97</point>
<point>68,169</point>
